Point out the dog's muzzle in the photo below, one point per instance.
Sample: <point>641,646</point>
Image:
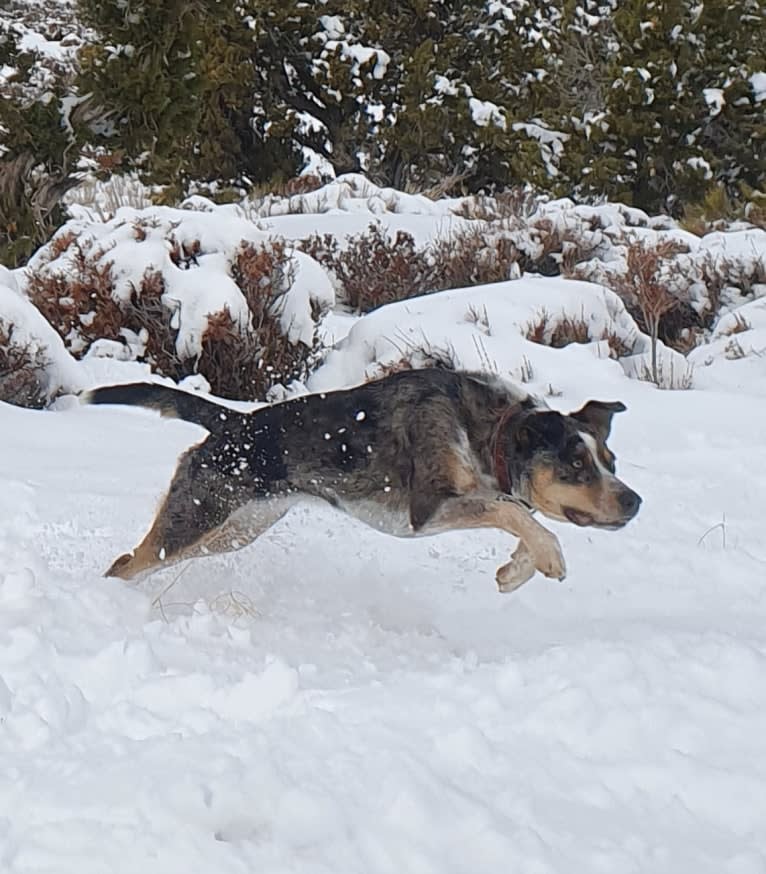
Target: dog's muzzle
<point>629,503</point>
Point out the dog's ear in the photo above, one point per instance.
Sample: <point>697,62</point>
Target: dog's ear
<point>540,430</point>
<point>597,416</point>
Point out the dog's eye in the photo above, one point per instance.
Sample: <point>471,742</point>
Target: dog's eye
<point>577,464</point>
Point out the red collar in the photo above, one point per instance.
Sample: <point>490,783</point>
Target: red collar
<point>497,449</point>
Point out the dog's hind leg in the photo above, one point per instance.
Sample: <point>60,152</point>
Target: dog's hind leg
<point>246,525</point>
<point>538,548</point>
<point>197,503</point>
<point>236,532</point>
<point>195,521</point>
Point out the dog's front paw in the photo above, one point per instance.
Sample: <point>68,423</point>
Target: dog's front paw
<point>519,569</point>
<point>549,559</point>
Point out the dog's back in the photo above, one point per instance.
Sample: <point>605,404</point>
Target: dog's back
<point>390,449</point>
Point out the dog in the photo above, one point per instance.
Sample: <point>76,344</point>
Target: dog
<point>416,452</point>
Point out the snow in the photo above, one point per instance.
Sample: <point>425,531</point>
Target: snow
<point>551,143</point>
<point>715,99</point>
<point>738,344</point>
<point>758,82</point>
<point>197,294</point>
<point>699,163</point>
<point>330,699</point>
<point>362,55</point>
<point>484,328</point>
<point>485,113</point>
<point>310,284</point>
<point>442,85</point>
<point>334,26</point>
<point>35,42</point>
<point>343,225</point>
<point>744,247</point>
<point>333,35</point>
<point>349,193</point>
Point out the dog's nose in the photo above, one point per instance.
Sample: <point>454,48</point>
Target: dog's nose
<point>630,502</point>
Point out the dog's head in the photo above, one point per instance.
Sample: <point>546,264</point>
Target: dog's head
<point>563,467</point>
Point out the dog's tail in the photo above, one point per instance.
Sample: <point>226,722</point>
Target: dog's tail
<point>169,402</point>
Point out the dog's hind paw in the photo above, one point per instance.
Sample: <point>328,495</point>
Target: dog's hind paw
<point>123,567</point>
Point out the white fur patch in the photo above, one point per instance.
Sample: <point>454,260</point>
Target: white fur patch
<point>590,442</point>
<point>379,515</point>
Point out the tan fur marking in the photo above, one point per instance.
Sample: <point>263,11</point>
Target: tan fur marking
<point>596,499</point>
<point>518,571</point>
<point>145,557</point>
<point>462,475</point>
<point>539,548</point>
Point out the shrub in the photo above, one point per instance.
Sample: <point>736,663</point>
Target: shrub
<point>417,355</point>
<point>472,257</point>
<point>738,325</point>
<point>645,293</point>
<point>22,367</point>
<point>248,365</point>
<point>372,270</point>
<point>41,130</point>
<point>562,331</point>
<point>79,302</point>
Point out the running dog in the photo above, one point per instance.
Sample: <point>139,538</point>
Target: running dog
<point>414,453</point>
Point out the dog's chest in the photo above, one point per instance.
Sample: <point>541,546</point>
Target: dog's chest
<point>387,516</point>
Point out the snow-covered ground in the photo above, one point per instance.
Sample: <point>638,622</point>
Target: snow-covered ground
<point>330,700</point>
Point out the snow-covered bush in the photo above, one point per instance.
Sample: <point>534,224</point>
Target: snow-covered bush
<point>34,365</point>
<point>185,292</point>
<point>22,369</point>
<point>248,364</point>
<point>203,291</point>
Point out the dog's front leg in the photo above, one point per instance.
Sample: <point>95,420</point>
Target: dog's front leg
<point>538,548</point>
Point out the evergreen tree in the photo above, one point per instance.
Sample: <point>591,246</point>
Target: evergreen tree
<point>38,150</point>
<point>647,101</point>
<point>656,99</point>
<point>175,81</point>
